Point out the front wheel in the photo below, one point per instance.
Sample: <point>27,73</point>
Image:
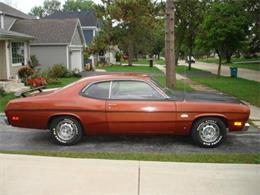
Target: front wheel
<point>66,130</point>
<point>209,132</point>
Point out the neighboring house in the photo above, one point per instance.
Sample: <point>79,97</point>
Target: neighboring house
<point>56,41</point>
<point>88,20</point>
<point>90,26</point>
<point>14,46</point>
<point>53,41</point>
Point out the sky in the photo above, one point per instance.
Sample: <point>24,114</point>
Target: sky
<point>26,5</point>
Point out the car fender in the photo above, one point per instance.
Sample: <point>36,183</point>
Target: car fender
<point>63,114</point>
<point>211,115</point>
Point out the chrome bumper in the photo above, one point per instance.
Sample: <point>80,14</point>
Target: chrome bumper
<point>246,127</point>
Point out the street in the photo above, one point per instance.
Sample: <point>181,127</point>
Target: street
<point>12,138</point>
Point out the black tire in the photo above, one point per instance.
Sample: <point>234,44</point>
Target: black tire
<point>209,132</point>
<point>66,130</point>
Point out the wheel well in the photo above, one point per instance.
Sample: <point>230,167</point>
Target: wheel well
<point>219,117</point>
<point>63,115</point>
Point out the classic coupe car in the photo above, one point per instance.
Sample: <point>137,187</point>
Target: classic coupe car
<point>127,104</point>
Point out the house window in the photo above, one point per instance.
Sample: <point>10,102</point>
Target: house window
<point>88,34</point>
<point>18,53</point>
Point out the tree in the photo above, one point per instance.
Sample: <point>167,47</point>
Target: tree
<point>169,45</point>
<point>193,13</point>
<point>37,11</point>
<point>127,24</point>
<point>252,44</point>
<point>223,29</point>
<point>78,5</point>
<point>49,7</point>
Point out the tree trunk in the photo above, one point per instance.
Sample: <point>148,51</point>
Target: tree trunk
<point>130,54</point>
<point>189,57</point>
<point>151,60</point>
<point>170,45</point>
<point>228,57</point>
<point>219,64</point>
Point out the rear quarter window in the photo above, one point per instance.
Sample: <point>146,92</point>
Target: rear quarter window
<point>98,90</point>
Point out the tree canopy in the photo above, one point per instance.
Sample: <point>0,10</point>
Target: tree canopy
<point>224,29</point>
<point>78,5</point>
<point>51,6</point>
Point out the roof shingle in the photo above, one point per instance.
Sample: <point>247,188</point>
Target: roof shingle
<point>8,10</point>
<point>47,31</point>
<point>87,18</point>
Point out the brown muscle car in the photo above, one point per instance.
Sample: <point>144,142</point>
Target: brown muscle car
<point>128,104</point>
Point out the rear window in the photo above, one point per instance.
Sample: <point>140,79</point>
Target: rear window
<point>98,90</point>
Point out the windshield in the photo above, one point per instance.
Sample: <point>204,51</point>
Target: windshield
<point>166,90</point>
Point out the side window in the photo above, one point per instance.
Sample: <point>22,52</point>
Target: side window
<point>134,90</point>
<point>98,90</point>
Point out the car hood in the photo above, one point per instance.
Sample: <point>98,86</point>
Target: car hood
<point>204,97</point>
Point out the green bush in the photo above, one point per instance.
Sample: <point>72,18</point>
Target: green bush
<point>25,72</point>
<point>76,73</point>
<point>57,71</point>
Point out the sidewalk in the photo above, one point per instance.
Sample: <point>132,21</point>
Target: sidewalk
<point>255,111</point>
<point>30,175</point>
<point>225,70</point>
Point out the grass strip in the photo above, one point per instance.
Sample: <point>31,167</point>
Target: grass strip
<point>165,157</point>
<point>241,88</point>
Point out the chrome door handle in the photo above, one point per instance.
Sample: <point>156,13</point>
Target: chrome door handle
<point>112,105</point>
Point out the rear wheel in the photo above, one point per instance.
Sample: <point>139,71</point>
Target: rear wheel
<point>209,132</point>
<point>66,130</point>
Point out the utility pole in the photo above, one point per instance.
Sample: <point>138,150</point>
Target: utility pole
<point>170,45</point>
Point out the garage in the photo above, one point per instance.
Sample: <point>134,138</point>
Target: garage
<point>76,60</point>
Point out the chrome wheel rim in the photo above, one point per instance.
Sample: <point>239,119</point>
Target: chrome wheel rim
<point>209,131</point>
<point>66,129</point>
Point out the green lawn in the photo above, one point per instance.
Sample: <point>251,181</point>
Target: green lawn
<point>145,61</point>
<point>9,96</point>
<point>241,88</point>
<point>155,72</point>
<point>199,158</point>
<point>4,99</point>
<point>237,62</point>
<point>63,82</point>
<point>141,69</point>
<point>251,66</point>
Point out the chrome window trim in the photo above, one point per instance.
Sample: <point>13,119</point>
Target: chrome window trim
<point>153,86</point>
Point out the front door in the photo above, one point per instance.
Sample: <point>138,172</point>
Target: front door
<point>135,107</point>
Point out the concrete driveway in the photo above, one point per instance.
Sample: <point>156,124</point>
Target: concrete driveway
<point>31,175</point>
<point>12,138</point>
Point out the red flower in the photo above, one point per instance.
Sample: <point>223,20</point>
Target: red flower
<point>36,82</point>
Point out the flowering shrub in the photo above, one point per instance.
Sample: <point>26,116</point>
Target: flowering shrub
<point>37,82</point>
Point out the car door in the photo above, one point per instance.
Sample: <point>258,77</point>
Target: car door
<point>93,101</point>
<point>136,107</point>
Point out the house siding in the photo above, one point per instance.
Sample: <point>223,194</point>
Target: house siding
<point>49,55</point>
<point>76,40</point>
<point>8,22</point>
<point>3,71</point>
